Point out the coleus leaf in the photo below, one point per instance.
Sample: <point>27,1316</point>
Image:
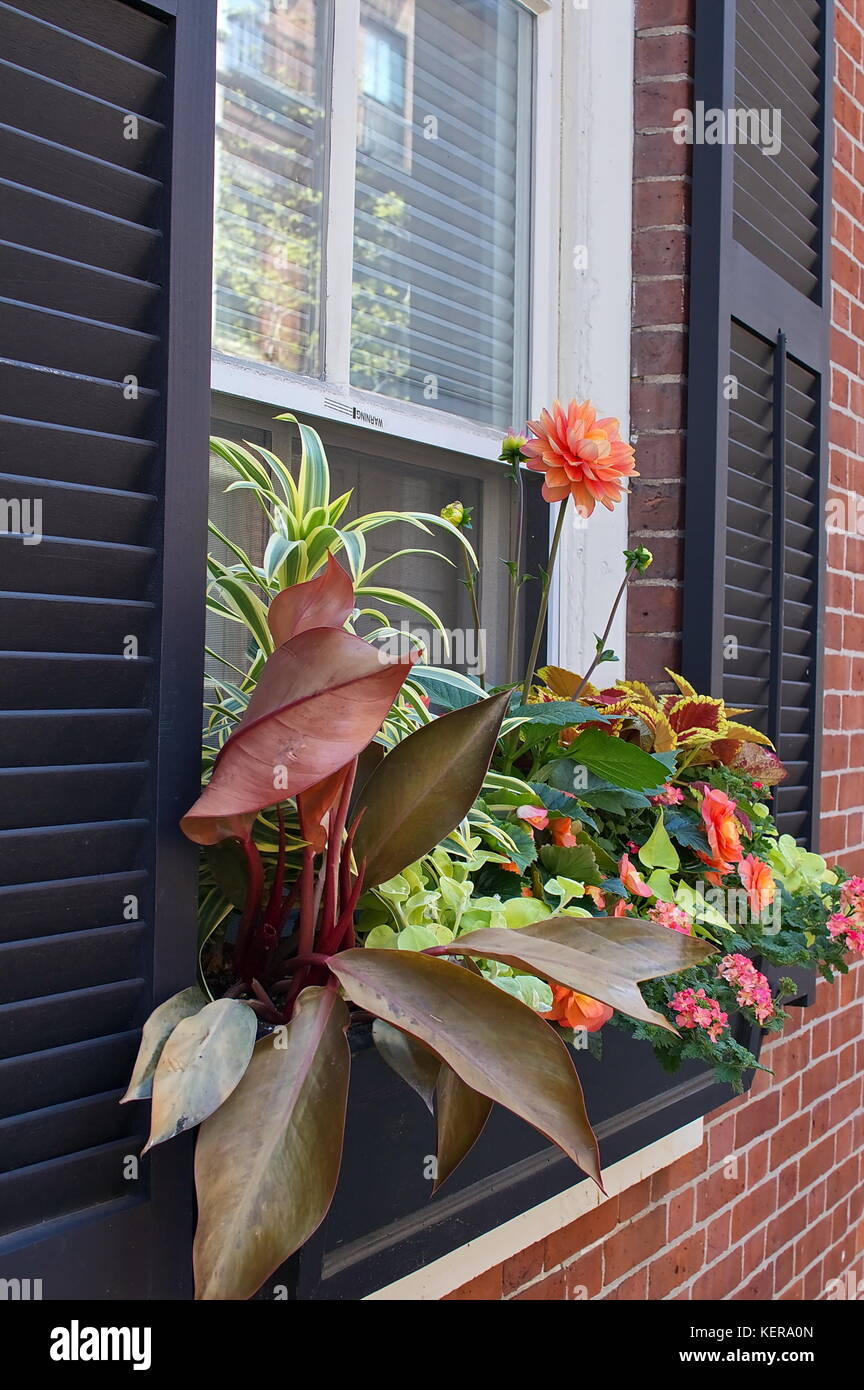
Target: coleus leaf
<point>267,1162</point>
<point>424,787</point>
<point>604,957</point>
<point>497,1045</point>
<point>320,699</point>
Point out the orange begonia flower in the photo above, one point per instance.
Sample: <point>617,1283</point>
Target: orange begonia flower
<point>718,814</point>
<point>561,833</point>
<point>759,882</point>
<point>580,456</point>
<point>574,1010</point>
<point>629,876</point>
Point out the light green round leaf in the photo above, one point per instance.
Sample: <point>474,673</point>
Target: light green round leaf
<point>521,912</point>
<point>382,937</point>
<point>416,939</point>
<point>533,992</point>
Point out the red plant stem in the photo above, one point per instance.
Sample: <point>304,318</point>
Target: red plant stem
<point>254,891</point>
<point>274,903</point>
<point>299,963</point>
<point>288,906</point>
<point>345,925</point>
<point>307,902</point>
<point>336,829</point>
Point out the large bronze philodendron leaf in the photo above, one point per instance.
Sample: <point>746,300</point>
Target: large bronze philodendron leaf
<point>461,1113</point>
<point>497,1045</point>
<point>425,787</point>
<point>201,1063</point>
<point>604,957</point>
<point>267,1162</point>
<point>319,700</point>
<point>325,601</point>
<point>156,1032</point>
<point>409,1059</point>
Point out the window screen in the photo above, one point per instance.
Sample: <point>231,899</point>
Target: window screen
<point>439,314</point>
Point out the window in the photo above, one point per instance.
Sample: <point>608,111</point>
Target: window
<point>372,262</point>
<point>270,182</point>
<point>373,190</point>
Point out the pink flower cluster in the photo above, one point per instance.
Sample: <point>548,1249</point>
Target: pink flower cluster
<point>753,990</point>
<point>694,1009</point>
<point>667,796</point>
<point>852,896</point>
<point>668,915</point>
<point>849,923</point>
<point>852,928</point>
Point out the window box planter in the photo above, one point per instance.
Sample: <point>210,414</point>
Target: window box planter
<point>384,1223</point>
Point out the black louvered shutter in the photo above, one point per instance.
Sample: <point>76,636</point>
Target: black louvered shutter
<point>759,379</point>
<point>105,195</point>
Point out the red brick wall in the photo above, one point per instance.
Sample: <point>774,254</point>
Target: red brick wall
<point>843,747</point>
<point>771,1206</point>
<point>788,1214</point>
<point>658,397</point>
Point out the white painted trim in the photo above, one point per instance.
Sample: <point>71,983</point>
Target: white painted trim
<point>341,177</point>
<point>595,303</point>
<point>450,1272</point>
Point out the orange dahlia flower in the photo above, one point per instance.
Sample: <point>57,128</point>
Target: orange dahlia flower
<point>580,455</point>
<point>574,1010</point>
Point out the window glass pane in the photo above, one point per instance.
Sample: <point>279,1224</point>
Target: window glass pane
<point>270,170</point>
<point>440,234</point>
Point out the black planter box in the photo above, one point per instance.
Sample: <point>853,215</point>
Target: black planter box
<point>383,1224</point>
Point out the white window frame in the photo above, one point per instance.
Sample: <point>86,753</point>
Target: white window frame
<point>333,397</point>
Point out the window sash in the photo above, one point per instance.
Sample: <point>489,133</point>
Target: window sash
<point>332,396</point>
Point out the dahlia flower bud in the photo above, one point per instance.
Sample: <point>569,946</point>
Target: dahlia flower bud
<point>638,559</point>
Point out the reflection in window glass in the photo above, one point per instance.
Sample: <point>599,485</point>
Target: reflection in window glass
<point>440,240</point>
<point>270,180</point>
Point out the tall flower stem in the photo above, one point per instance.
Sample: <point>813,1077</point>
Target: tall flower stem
<point>601,645</point>
<point>515,578</point>
<point>471,586</point>
<point>544,602</point>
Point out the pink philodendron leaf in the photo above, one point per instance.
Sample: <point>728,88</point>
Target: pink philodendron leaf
<point>320,699</point>
<point>325,601</point>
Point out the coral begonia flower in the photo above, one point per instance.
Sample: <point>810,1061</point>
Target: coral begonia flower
<point>580,456</point>
<point>537,816</point>
<point>561,833</point>
<point>718,814</point>
<point>759,882</point>
<point>574,1010</point>
<point>718,868</point>
<point>620,909</point>
<point>629,876</point>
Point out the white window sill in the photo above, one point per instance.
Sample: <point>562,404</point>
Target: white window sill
<point>450,1272</point>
